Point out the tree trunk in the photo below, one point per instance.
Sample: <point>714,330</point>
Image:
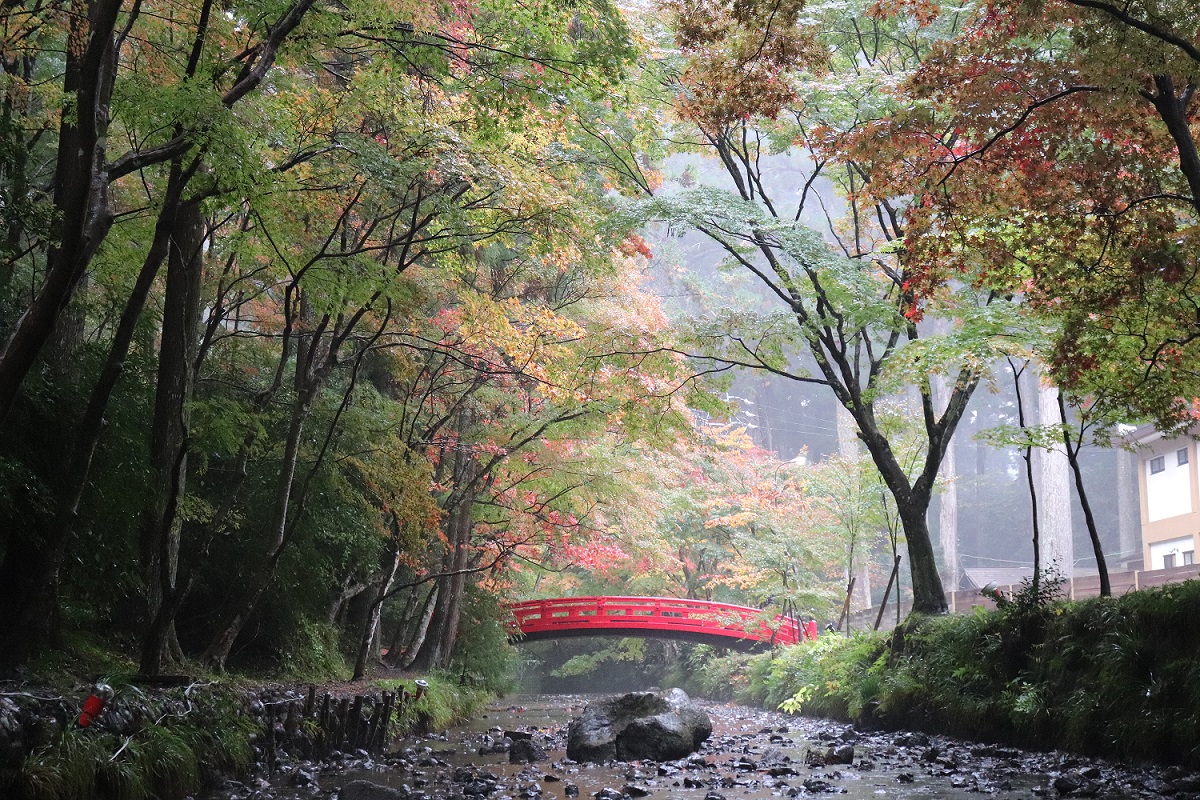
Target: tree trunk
<point>1128,508</point>
<point>1035,581</point>
<point>80,190</point>
<point>928,595</point>
<point>421,633</point>
<point>231,622</point>
<point>1055,490</point>
<point>1093,533</point>
<point>947,502</point>
<point>912,504</point>
<point>36,617</point>
<point>396,646</point>
<point>160,526</point>
<point>438,646</point>
<point>371,629</point>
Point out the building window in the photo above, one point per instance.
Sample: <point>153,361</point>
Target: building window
<point>1168,560</point>
<point>1181,456</point>
<point>1157,465</point>
<point>1189,557</point>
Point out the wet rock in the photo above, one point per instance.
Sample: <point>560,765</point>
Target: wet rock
<point>303,777</point>
<point>525,751</point>
<point>571,790</point>
<point>1066,784</point>
<point>840,755</point>
<point>479,788</point>
<point>912,740</point>
<point>820,786</point>
<point>634,790</point>
<point>637,726</point>
<point>365,790</point>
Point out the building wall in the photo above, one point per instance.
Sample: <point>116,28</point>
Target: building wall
<point>1170,501</point>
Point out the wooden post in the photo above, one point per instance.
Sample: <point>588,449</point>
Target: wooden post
<point>381,734</point>
<point>291,722</point>
<point>887,593</point>
<point>372,725</point>
<point>310,701</point>
<point>353,728</point>
<point>342,716</point>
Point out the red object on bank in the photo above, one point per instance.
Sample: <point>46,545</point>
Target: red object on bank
<point>94,704</point>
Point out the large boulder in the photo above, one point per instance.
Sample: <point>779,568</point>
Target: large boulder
<point>638,726</point>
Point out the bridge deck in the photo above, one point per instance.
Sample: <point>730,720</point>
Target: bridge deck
<point>692,620</point>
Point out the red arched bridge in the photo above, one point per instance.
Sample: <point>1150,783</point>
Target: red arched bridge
<point>722,624</point>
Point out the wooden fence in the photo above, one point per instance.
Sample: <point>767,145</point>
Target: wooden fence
<point>319,725</point>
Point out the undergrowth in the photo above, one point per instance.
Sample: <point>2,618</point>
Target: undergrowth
<point>168,757</point>
<point>1115,676</point>
<point>443,702</point>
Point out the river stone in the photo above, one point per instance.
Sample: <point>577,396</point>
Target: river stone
<point>637,726</point>
<point>525,751</point>
<point>365,790</point>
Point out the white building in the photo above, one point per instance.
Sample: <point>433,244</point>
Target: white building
<point>1170,498</point>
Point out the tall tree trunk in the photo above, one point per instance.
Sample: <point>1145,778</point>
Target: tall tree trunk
<point>422,632</point>
<point>947,500</point>
<point>80,189</point>
<point>914,496</point>
<point>231,622</point>
<point>160,526</point>
<point>858,555</point>
<point>1027,455</point>
<point>370,631</point>
<point>1089,518</point>
<point>35,619</point>
<point>396,646</point>
<point>458,581</point>
<point>438,645</point>
<point>1129,507</point>
<point>1055,489</point>
<point>928,596</point>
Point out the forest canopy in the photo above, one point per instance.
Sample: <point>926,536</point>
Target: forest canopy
<point>326,328</point>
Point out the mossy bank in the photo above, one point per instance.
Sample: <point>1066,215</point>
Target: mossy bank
<point>1117,677</point>
<point>166,743</point>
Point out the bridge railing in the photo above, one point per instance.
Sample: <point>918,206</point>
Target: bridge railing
<point>668,615</point>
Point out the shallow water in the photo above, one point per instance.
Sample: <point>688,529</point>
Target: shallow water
<point>885,765</point>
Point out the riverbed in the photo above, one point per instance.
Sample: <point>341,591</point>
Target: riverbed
<point>751,755</point>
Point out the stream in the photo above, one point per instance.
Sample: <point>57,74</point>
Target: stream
<point>751,755</point>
